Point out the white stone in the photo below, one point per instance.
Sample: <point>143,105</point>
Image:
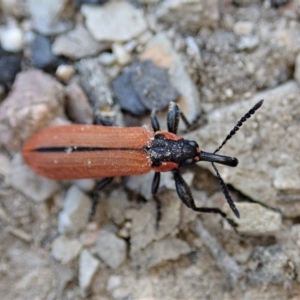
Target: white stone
<point>11,38</point>
<point>255,219</point>
<point>111,249</point>
<point>243,28</point>
<point>88,266</point>
<point>33,186</point>
<point>75,213</point>
<point>65,72</point>
<point>114,21</point>
<point>287,178</point>
<point>121,54</point>
<point>65,250</point>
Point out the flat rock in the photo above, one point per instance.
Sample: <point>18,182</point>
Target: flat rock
<point>48,16</point>
<point>114,21</point>
<point>263,145</point>
<point>94,81</point>
<point>35,187</point>
<point>167,249</point>
<point>256,220</point>
<point>65,249</point>
<point>74,215</point>
<point>88,266</point>
<point>111,249</point>
<point>189,15</point>
<point>10,65</point>
<point>78,106</point>
<point>35,100</point>
<point>144,230</point>
<point>144,86</point>
<point>77,43</point>
<point>271,265</point>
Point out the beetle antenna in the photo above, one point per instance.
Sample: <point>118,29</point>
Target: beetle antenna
<point>226,192</point>
<point>240,123</point>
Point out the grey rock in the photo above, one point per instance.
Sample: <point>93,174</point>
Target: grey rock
<point>78,106</point>
<point>297,69</point>
<point>10,65</point>
<point>144,230</point>
<point>226,263</point>
<point>243,28</point>
<point>41,53</point>
<point>32,284</point>
<point>114,21</point>
<point>287,178</point>
<point>161,51</point>
<point>152,84</point>
<point>95,82</point>
<point>74,216</point>
<point>262,145</point>
<point>48,16</point>
<point>270,265</point>
<point>86,185</point>
<point>64,249</point>
<point>33,186</point>
<point>11,38</point>
<point>167,249</point>
<point>77,44</point>
<point>111,249</point>
<point>189,15</point>
<point>88,266</point>
<point>146,86</point>
<point>122,56</point>
<point>107,58</point>
<point>126,96</point>
<point>35,100</point>
<point>256,220</point>
<point>248,43</point>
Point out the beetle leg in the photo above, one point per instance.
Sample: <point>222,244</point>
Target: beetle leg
<point>154,188</point>
<point>154,121</point>
<point>95,196</point>
<point>158,211</point>
<point>173,117</point>
<point>186,197</point>
<point>155,183</point>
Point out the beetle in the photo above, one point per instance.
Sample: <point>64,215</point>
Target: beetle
<point>92,151</point>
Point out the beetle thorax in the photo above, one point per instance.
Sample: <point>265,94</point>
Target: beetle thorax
<point>179,152</point>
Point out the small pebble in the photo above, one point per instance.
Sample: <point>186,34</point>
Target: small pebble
<point>11,39</point>
<point>74,216</point>
<point>107,58</point>
<point>113,282</point>
<point>65,249</point>
<point>126,96</point>
<point>88,266</point>
<point>10,65</point>
<point>41,53</point>
<point>35,187</point>
<point>153,86</point>
<point>115,21</point>
<point>111,249</point>
<point>65,72</point>
<point>243,28</point>
<point>78,107</point>
<point>121,54</point>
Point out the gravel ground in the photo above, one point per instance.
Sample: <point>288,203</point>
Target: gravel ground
<point>78,61</point>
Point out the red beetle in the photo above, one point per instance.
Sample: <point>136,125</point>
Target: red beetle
<point>93,151</point>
